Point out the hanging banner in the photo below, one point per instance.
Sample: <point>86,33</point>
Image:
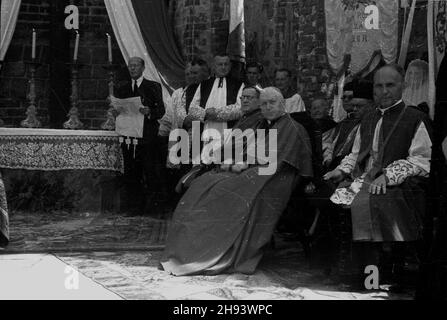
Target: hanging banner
<point>9,12</point>
<point>360,29</point>
<point>440,29</point>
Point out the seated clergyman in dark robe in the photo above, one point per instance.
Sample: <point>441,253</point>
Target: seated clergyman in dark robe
<point>390,163</point>
<point>357,100</point>
<point>300,213</point>
<point>228,216</point>
<point>251,117</point>
<point>331,234</point>
<point>4,222</point>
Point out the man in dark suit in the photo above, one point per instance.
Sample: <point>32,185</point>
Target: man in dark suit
<point>143,160</point>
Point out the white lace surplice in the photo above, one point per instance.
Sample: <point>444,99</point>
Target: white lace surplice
<point>218,100</point>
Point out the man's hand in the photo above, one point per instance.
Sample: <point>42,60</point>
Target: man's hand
<point>145,111</point>
<point>225,167</point>
<point>327,162</point>
<point>239,167</point>
<point>378,185</point>
<point>211,114</point>
<point>187,123</point>
<point>335,175</point>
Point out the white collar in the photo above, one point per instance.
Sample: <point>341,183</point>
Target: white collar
<point>384,110</point>
<point>139,81</point>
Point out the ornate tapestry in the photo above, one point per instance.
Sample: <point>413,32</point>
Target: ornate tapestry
<point>356,36</point>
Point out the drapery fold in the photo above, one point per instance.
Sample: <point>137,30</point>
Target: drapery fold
<point>236,37</point>
<point>9,14</point>
<point>158,34</point>
<point>130,40</point>
<point>406,36</point>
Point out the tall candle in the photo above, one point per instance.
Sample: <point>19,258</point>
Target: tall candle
<point>33,46</point>
<point>109,46</point>
<point>75,56</point>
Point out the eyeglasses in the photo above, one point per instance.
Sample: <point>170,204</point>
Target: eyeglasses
<point>250,98</point>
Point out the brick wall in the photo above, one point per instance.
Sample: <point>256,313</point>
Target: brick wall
<point>273,30</point>
<point>14,73</point>
<point>94,24</point>
<point>311,48</point>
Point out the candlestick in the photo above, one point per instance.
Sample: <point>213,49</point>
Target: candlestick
<point>33,46</point>
<point>73,122</point>
<point>75,55</point>
<point>109,124</point>
<point>109,46</point>
<point>31,120</point>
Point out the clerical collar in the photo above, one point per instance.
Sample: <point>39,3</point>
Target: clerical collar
<point>271,123</point>
<point>386,109</point>
<point>139,81</point>
<point>352,116</point>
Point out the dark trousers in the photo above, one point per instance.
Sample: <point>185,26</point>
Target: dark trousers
<point>144,176</point>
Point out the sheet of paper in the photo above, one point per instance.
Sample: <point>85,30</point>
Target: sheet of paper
<point>130,120</point>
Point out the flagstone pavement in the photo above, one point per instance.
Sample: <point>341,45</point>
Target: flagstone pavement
<point>122,271</point>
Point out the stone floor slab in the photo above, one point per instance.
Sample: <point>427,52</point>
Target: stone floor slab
<point>45,277</point>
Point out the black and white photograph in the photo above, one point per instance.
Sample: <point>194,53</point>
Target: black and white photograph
<point>223,155</point>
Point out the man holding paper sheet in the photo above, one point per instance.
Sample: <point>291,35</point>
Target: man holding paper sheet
<point>138,124</point>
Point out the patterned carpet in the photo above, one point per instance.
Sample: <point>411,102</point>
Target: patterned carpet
<point>122,254</point>
<point>282,275</point>
<point>64,231</point>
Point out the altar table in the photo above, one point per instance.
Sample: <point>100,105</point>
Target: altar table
<point>86,167</point>
<point>54,149</point>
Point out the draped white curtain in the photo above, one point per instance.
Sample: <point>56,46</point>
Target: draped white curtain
<point>406,36</point>
<point>9,14</point>
<point>130,40</point>
<point>416,81</point>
